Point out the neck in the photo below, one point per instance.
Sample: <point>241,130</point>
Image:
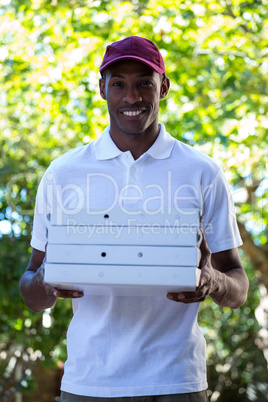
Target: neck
<point>137,143</point>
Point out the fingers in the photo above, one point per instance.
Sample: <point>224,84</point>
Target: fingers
<point>186,298</point>
<point>176,296</point>
<point>190,297</point>
<point>68,294</point>
<point>65,294</point>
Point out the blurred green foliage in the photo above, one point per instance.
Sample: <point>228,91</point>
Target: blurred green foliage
<point>217,60</point>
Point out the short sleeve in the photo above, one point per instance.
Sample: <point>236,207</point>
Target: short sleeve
<point>43,207</point>
<point>219,218</point>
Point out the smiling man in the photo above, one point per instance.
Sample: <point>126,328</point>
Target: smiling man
<point>133,91</point>
<point>142,349</point>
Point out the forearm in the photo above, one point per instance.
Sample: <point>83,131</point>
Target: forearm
<point>231,288</point>
<point>33,291</point>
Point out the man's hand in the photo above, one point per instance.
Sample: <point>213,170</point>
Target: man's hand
<point>37,294</point>
<point>54,292</point>
<point>207,283</point>
<point>222,277</point>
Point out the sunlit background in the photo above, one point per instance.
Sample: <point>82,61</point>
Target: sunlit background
<point>216,55</point>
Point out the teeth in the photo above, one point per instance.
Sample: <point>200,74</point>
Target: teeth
<point>133,113</point>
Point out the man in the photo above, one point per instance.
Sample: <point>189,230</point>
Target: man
<point>138,348</point>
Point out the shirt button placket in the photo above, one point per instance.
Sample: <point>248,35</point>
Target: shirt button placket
<point>132,189</point>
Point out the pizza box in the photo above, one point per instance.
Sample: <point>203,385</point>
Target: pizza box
<point>124,254</point>
<point>181,218</point>
<point>124,235</point>
<point>122,280</point>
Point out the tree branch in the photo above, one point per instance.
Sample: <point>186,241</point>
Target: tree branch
<point>230,13</point>
<point>257,256</point>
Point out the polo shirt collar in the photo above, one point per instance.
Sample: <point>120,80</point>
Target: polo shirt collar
<point>163,145</point>
<point>106,149</point>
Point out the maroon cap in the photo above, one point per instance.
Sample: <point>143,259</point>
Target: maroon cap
<point>134,48</point>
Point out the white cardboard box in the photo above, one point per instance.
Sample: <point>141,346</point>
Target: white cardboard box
<point>124,235</point>
<point>122,280</point>
<point>122,254</point>
<point>183,218</point>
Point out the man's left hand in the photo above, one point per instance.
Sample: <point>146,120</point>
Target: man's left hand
<point>207,283</point>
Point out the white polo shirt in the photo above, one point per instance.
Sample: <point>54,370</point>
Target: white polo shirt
<point>133,346</point>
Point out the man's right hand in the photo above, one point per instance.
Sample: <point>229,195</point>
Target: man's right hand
<point>51,291</point>
<point>37,294</point>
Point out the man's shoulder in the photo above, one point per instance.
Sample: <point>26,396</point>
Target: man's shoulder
<point>74,155</point>
<point>194,156</point>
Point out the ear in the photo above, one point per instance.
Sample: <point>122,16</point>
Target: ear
<point>164,87</point>
<point>102,88</point>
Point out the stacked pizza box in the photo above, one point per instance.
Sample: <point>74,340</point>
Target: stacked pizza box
<point>124,253</point>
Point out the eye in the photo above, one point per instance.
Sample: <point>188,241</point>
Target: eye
<point>146,83</point>
<point>118,84</point>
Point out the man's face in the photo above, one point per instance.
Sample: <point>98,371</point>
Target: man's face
<point>133,90</point>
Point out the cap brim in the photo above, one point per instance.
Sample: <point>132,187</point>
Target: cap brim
<point>158,69</point>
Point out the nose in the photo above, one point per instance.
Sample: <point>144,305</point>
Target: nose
<point>132,96</point>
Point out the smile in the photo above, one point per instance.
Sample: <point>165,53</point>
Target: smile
<point>132,113</point>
